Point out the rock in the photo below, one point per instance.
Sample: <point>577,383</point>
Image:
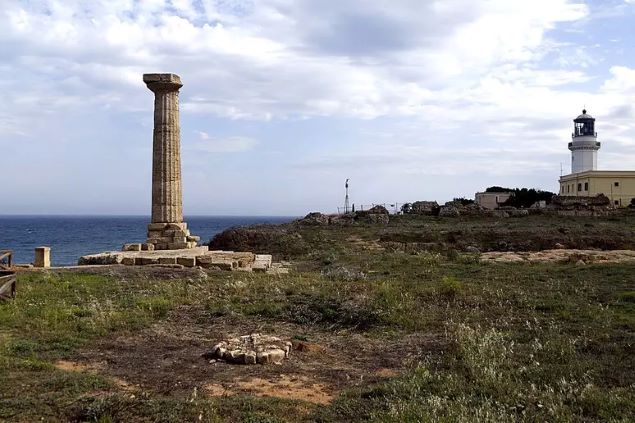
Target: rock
<point>262,357</point>
<point>276,356</point>
<point>382,219</point>
<point>100,259</point>
<point>429,208</point>
<point>472,250</point>
<point>499,213</point>
<point>314,218</point>
<point>378,210</point>
<point>558,246</point>
<point>449,211</point>
<point>131,247</point>
<point>519,213</point>
<point>147,247</point>
<point>250,357</point>
<point>580,263</point>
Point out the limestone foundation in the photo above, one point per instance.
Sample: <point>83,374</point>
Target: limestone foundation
<point>167,231</point>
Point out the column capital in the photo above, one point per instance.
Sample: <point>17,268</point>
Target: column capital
<point>163,82</point>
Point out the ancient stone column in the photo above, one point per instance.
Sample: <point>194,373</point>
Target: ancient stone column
<point>167,229</point>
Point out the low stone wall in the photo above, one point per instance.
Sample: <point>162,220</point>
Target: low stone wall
<point>193,257</point>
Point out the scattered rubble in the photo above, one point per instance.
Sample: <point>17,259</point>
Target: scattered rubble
<point>376,215</point>
<point>560,255</point>
<point>251,349</point>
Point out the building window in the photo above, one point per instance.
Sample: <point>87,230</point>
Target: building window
<point>567,188</point>
<point>579,187</point>
<point>616,184</point>
<point>586,186</point>
<point>617,203</point>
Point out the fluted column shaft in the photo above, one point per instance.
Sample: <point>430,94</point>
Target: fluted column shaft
<point>167,197</point>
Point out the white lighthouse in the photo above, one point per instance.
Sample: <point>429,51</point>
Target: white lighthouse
<point>584,145</point>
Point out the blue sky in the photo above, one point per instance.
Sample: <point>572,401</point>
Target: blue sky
<point>285,99</point>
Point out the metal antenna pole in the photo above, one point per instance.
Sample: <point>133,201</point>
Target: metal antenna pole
<point>346,199</point>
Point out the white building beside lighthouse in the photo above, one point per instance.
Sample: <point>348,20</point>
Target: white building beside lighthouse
<point>585,180</point>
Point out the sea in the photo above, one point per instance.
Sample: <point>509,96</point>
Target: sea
<point>71,237</point>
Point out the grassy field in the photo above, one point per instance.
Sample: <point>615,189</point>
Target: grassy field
<point>407,336</point>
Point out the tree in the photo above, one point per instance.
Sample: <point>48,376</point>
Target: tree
<point>499,189</point>
<point>464,201</point>
<point>523,197</point>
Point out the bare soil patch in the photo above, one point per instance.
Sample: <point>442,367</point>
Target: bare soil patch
<point>166,359</point>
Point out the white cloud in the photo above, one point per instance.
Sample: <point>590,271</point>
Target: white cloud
<point>480,85</point>
<point>208,144</point>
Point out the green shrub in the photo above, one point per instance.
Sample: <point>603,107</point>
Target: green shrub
<point>450,287</point>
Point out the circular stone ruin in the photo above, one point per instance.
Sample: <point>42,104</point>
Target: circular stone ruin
<point>251,349</point>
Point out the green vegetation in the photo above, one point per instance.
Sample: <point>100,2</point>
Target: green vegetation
<point>508,342</point>
<point>523,197</point>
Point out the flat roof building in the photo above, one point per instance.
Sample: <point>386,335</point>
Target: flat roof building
<point>585,180</point>
<point>491,200</point>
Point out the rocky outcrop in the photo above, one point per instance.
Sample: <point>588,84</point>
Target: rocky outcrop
<point>314,218</point>
<point>427,208</point>
<point>449,211</point>
<point>284,241</point>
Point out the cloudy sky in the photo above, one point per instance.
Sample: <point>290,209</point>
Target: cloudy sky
<point>285,99</point>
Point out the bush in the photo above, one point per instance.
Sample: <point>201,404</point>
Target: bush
<point>450,287</point>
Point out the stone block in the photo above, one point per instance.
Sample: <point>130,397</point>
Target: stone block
<point>259,267</point>
<point>186,261</point>
<point>276,356</point>
<point>177,226</point>
<point>128,261</point>
<point>250,357</point>
<point>262,358</point>
<point>263,258</point>
<point>147,247</point>
<point>167,260</point>
<point>191,245</point>
<point>143,261</point>
<point>42,257</point>
<point>155,234</point>
<point>156,226</point>
<point>210,261</point>
<point>193,238</point>
<point>179,239</point>
<point>131,247</point>
<point>177,245</point>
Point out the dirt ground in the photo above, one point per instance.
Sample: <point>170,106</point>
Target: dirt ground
<point>166,359</point>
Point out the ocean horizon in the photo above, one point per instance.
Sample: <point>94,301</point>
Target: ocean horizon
<point>72,236</point>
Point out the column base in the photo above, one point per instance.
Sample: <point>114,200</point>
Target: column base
<point>171,236</point>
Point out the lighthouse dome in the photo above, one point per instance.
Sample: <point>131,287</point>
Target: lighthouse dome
<point>585,116</point>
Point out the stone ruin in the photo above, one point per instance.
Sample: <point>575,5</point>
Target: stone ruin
<point>251,349</point>
<point>166,231</point>
<point>169,241</point>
